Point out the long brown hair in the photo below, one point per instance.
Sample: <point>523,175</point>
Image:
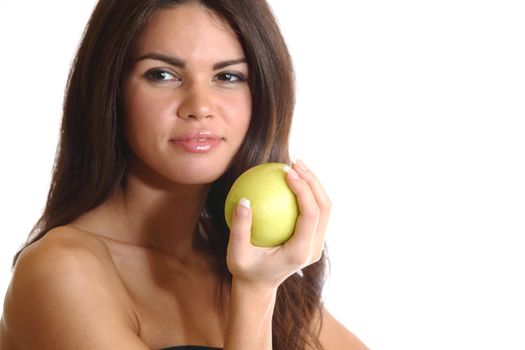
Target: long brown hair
<point>90,161</point>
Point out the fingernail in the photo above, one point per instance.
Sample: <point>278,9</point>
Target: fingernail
<point>243,209</point>
<point>300,164</point>
<point>293,159</point>
<point>292,172</point>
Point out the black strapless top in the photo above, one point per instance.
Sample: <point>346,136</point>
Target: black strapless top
<point>191,347</point>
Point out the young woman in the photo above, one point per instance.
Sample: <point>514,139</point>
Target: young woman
<point>167,103</point>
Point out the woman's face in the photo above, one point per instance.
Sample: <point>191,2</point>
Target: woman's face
<point>187,102</point>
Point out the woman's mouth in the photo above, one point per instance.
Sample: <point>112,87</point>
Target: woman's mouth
<point>197,142</point>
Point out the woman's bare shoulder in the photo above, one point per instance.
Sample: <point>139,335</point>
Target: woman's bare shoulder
<point>69,241</point>
<point>64,253</point>
<point>64,287</point>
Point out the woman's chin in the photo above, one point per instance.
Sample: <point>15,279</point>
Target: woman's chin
<point>189,172</point>
<point>195,175</point>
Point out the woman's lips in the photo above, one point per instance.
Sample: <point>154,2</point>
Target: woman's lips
<point>198,142</point>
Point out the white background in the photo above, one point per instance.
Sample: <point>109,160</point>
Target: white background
<point>413,115</point>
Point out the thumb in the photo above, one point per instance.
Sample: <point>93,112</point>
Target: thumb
<point>241,224</point>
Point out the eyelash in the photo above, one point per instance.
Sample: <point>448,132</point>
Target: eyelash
<point>153,75</point>
<point>238,76</point>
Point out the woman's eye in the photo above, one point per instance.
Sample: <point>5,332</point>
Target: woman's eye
<point>230,77</point>
<point>160,75</point>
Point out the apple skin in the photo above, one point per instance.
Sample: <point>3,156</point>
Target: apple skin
<point>274,205</point>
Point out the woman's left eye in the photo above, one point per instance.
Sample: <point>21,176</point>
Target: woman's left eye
<point>231,77</point>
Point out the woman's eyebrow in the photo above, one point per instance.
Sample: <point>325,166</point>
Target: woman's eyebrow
<point>174,61</point>
<point>177,62</point>
<point>222,64</point>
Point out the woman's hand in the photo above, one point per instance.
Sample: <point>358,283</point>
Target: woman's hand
<point>269,267</point>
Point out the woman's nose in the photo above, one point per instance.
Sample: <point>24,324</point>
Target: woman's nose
<point>196,104</point>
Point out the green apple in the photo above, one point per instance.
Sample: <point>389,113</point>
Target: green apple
<point>274,205</point>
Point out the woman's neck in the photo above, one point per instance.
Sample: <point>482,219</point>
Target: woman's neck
<point>150,215</point>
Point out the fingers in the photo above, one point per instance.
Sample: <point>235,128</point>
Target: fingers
<point>322,199</point>
<point>315,185</point>
<point>299,246</point>
<point>314,207</point>
<point>239,233</point>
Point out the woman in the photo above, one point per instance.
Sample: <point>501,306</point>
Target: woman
<point>167,103</point>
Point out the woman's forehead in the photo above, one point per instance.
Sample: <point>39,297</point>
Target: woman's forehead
<point>189,31</point>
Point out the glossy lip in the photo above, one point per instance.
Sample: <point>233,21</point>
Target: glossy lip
<point>197,142</point>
